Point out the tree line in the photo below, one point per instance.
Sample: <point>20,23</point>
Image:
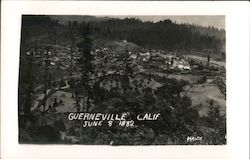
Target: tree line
<point>165,35</point>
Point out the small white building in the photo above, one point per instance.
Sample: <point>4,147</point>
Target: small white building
<point>133,56</point>
<point>52,63</point>
<point>180,66</point>
<point>187,67</point>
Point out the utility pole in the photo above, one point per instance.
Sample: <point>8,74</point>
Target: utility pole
<point>208,60</point>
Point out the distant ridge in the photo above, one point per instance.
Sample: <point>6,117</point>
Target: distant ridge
<point>64,19</point>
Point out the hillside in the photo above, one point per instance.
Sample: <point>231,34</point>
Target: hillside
<point>122,67</point>
<point>164,35</point>
<point>65,19</point>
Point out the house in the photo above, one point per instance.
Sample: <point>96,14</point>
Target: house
<point>133,56</point>
<point>187,67</point>
<point>180,66</point>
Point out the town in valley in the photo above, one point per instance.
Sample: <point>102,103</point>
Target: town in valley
<point>73,64</point>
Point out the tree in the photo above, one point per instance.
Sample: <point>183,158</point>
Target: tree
<point>108,33</point>
<point>72,27</point>
<point>27,106</point>
<point>46,75</point>
<point>85,62</point>
<point>208,60</point>
<point>127,69</point>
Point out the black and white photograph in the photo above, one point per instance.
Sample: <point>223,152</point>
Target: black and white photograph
<point>122,80</point>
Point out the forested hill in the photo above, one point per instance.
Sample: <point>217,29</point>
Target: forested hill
<point>64,19</point>
<point>164,35</point>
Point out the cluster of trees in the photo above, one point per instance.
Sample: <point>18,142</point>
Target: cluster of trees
<point>164,35</point>
<point>178,120</point>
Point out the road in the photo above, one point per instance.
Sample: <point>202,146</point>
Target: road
<point>204,59</point>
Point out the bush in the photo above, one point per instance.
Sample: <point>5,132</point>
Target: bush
<point>62,83</point>
<point>202,80</point>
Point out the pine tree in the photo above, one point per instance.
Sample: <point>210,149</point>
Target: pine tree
<point>72,27</point>
<point>208,60</point>
<point>30,87</point>
<point>85,62</point>
<point>127,69</point>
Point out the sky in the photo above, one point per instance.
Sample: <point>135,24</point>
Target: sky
<point>217,21</point>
